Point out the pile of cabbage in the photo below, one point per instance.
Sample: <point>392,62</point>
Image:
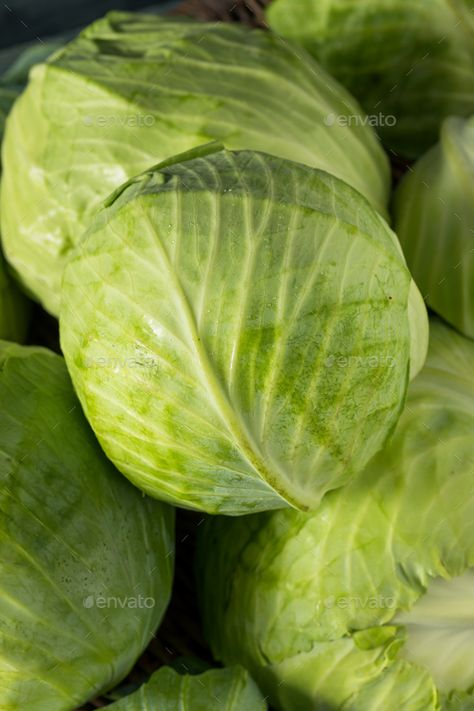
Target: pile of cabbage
<point>241,257</point>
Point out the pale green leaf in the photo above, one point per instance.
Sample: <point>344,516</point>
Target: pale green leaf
<point>434,219</point>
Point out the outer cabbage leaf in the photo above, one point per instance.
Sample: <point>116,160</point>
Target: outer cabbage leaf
<point>133,90</point>
<point>14,309</point>
<point>362,605</point>
<point>229,689</point>
<point>434,213</point>
<point>13,306</point>
<point>329,671</point>
<point>440,630</point>
<point>86,560</point>
<point>409,62</point>
<point>238,328</point>
<point>13,80</point>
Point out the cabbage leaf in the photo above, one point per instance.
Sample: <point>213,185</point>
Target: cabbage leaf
<point>229,689</point>
<point>240,331</point>
<point>85,560</point>
<point>434,219</point>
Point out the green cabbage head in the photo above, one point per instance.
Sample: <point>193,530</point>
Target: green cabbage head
<point>409,62</point>
<point>230,689</point>
<point>85,559</point>
<point>133,90</point>
<point>367,604</point>
<point>434,216</point>
<point>240,331</point>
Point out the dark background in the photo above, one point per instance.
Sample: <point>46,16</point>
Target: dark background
<point>29,20</point>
